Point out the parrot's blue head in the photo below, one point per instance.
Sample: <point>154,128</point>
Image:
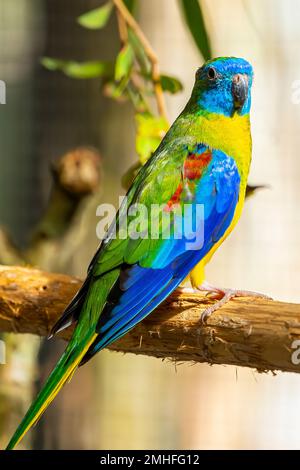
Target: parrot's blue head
<point>223,86</point>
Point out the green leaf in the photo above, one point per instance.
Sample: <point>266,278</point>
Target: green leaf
<point>79,70</point>
<point>124,62</point>
<point>52,64</point>
<point>92,69</point>
<point>137,98</point>
<point>168,83</point>
<point>171,84</point>
<point>116,91</point>
<point>139,52</point>
<point>130,5</point>
<point>150,131</point>
<point>195,21</point>
<point>97,18</point>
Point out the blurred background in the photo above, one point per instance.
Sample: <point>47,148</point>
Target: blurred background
<point>131,402</point>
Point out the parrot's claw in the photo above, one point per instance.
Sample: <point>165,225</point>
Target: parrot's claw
<point>224,295</point>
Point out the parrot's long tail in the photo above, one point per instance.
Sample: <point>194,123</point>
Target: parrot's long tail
<point>59,376</point>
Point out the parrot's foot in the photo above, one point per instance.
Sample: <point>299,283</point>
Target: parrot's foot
<point>186,290</point>
<point>224,295</point>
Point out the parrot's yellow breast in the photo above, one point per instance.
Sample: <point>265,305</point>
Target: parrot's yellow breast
<point>232,136</point>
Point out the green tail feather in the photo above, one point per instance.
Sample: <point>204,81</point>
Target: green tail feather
<point>83,337</point>
<point>61,373</point>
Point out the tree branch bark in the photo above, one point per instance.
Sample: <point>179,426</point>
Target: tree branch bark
<point>254,333</point>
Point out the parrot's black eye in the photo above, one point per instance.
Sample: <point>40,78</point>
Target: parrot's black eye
<point>211,73</point>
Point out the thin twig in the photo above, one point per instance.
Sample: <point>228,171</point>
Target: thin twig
<point>123,32</point>
<point>131,22</point>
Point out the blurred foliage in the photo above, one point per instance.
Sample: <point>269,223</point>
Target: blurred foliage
<point>130,4</point>
<point>195,21</point>
<point>97,18</point>
<point>130,76</point>
<point>124,63</point>
<point>81,70</point>
<point>170,84</point>
<point>150,131</point>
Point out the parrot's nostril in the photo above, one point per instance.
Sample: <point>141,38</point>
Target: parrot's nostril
<point>238,78</point>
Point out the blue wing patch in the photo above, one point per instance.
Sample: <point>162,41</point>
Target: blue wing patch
<point>141,289</point>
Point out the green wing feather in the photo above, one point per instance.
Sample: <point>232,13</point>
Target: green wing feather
<point>155,183</point>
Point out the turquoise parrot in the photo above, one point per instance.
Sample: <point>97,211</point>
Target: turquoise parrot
<point>203,161</point>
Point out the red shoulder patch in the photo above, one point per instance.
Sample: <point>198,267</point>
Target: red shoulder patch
<point>175,199</point>
<point>193,168</point>
<point>195,164</point>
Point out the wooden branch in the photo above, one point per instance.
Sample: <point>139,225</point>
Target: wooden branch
<point>254,333</point>
<point>57,235</point>
<point>76,176</point>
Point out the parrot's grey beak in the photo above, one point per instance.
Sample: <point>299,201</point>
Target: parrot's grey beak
<point>239,90</point>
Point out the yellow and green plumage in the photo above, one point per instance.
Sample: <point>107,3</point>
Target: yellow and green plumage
<point>203,160</point>
<point>234,137</point>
